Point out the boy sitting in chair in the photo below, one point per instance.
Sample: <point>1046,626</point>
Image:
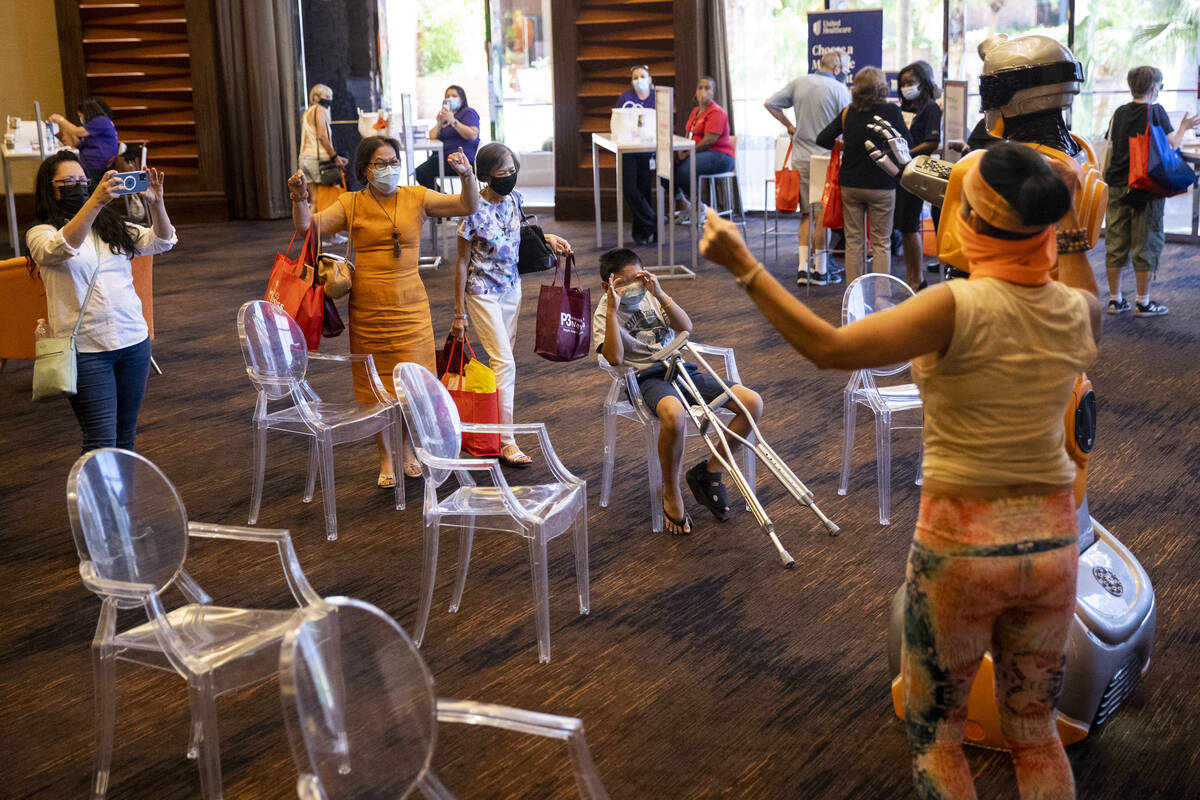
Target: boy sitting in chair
<point>633,321</point>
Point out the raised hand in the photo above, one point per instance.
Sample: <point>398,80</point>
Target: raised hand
<point>459,163</point>
<point>892,155</point>
<point>650,281</point>
<point>107,186</point>
<point>298,186</point>
<point>154,185</point>
<point>722,244</point>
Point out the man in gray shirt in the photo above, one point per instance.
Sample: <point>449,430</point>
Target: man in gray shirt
<point>815,99</point>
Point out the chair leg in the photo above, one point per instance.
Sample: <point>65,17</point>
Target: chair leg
<point>610,448</point>
<point>466,537</point>
<point>314,468</point>
<point>883,465</point>
<point>396,431</point>
<point>849,413</point>
<point>208,749</point>
<point>258,468</point>
<point>541,593</point>
<point>328,493</point>
<point>582,579</point>
<point>654,477</point>
<point>104,679</point>
<point>921,463</point>
<point>429,556</point>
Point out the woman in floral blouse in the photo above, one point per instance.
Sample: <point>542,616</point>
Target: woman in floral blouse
<point>487,286</point>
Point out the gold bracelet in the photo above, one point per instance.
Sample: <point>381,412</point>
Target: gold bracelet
<point>746,280</point>
<point>670,302</point>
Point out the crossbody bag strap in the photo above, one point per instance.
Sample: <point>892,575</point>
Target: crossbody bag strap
<point>91,287</point>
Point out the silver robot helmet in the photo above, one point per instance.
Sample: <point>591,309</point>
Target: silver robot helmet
<point>1025,75</point>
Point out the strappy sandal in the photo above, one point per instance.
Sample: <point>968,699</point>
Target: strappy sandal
<point>512,456</point>
<point>709,490</point>
<point>386,481</point>
<point>682,526</point>
<point>413,469</point>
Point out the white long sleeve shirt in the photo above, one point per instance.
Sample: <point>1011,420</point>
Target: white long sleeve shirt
<point>113,319</point>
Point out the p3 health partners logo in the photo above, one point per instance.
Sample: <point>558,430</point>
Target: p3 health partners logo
<point>831,27</point>
<point>570,322</point>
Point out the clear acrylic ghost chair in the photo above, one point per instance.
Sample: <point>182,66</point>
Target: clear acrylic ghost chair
<point>537,513</point>
<point>625,400</point>
<point>866,294</point>
<point>132,534</point>
<point>362,715</point>
<point>277,361</point>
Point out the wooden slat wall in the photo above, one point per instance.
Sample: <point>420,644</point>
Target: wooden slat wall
<point>595,44</point>
<point>152,62</point>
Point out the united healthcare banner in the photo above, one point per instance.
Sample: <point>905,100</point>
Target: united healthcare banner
<point>859,33</point>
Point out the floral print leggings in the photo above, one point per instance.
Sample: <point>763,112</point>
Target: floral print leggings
<point>994,575</point>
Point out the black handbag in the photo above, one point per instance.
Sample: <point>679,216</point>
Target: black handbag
<point>534,255</point>
<point>328,172</point>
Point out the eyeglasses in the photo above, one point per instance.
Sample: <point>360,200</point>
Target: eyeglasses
<point>395,162</point>
<point>73,181</point>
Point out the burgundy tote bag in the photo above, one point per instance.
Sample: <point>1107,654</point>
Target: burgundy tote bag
<point>564,318</point>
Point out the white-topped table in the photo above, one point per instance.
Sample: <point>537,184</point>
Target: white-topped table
<point>601,141</point>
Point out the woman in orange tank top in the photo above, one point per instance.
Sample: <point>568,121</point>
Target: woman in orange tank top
<point>389,310</point>
<point>994,556</point>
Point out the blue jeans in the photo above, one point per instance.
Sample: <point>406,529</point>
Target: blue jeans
<point>708,162</point>
<point>108,394</point>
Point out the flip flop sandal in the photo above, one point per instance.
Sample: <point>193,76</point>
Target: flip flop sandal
<point>709,490</point>
<point>682,526</point>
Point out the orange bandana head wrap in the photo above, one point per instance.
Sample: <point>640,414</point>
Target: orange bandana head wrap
<point>1024,261</point>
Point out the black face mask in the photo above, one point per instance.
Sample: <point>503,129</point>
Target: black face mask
<point>503,186</point>
<point>71,198</point>
<point>325,101</point>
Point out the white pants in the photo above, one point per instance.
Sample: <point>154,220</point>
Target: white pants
<point>494,318</point>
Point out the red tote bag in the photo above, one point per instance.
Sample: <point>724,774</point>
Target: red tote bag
<point>831,195</point>
<point>787,185</point>
<point>293,287</point>
<point>286,286</point>
<point>473,406</point>
<point>564,318</point>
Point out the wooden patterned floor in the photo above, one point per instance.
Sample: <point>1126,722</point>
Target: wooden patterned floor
<point>704,669</point>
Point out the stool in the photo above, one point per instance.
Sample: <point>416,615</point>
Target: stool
<point>735,211</point>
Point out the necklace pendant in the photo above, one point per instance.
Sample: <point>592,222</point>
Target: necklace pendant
<point>395,243</point>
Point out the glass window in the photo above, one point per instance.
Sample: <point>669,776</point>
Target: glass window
<point>775,32</point>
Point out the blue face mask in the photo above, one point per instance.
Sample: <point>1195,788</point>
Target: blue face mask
<point>633,295</point>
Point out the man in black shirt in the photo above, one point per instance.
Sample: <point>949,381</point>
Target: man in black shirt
<point>1135,218</point>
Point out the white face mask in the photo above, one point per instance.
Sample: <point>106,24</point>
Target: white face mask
<point>453,103</point>
<point>641,85</point>
<point>910,92</point>
<point>386,179</point>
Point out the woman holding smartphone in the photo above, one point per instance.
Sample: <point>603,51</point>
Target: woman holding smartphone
<point>77,237</point>
<point>457,128</point>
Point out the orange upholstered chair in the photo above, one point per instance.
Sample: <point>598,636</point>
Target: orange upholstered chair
<point>22,304</point>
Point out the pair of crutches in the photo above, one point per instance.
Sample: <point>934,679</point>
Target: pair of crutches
<point>717,435</point>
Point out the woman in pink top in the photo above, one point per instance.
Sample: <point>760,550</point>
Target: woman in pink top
<point>708,127</point>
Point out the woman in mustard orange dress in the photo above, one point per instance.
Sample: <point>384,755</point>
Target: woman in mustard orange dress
<point>389,310</point>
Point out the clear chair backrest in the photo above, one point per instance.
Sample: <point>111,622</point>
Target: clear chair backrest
<point>359,703</point>
<point>873,292</point>
<point>127,518</point>
<point>273,346</point>
<point>431,414</point>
